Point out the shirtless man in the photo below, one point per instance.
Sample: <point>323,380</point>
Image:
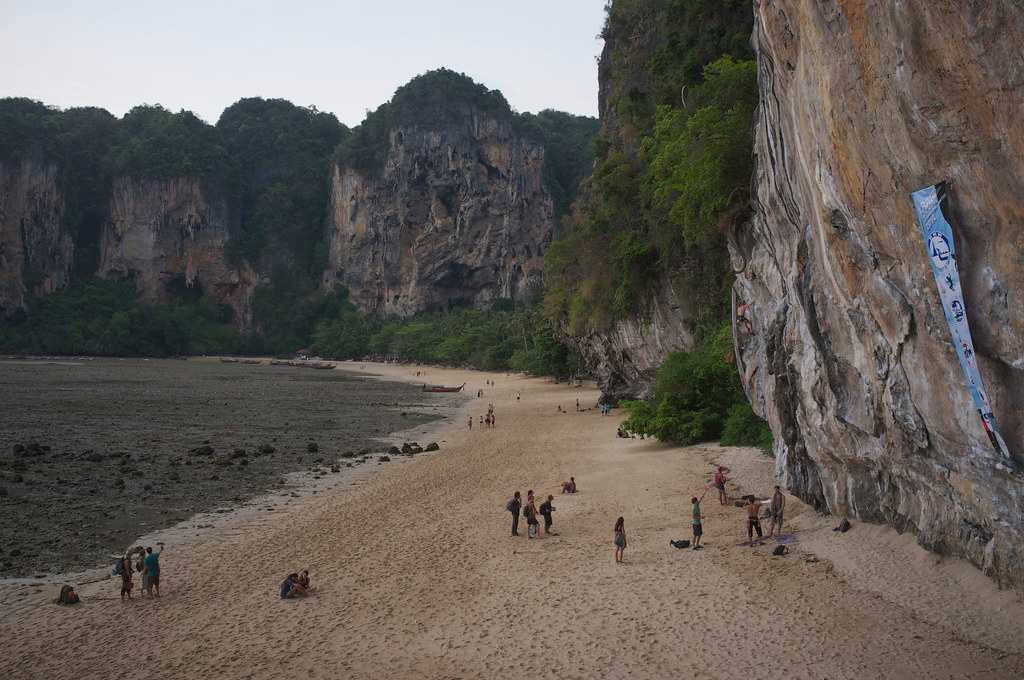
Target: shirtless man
<point>778,507</point>
<point>753,522</point>
<point>720,480</point>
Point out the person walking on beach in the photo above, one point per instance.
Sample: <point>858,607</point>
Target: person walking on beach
<point>753,522</point>
<point>151,563</point>
<point>514,506</point>
<point>545,511</point>
<point>698,528</point>
<point>619,539</point>
<point>778,507</point>
<point>471,423</point>
<point>720,480</point>
<point>577,406</point>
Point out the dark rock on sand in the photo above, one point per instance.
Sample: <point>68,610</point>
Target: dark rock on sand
<point>394,450</point>
<point>312,447</point>
<point>205,450</point>
<point>432,446</point>
<point>384,459</point>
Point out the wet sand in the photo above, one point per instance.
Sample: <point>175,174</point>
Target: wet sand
<point>417,577</point>
<point>94,453</point>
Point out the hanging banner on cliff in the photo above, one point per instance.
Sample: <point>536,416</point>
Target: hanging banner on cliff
<point>930,204</point>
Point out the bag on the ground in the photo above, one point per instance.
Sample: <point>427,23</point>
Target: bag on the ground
<point>780,550</point>
<point>682,543</point>
<point>843,527</point>
<point>67,596</point>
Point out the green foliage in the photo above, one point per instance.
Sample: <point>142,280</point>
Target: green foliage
<point>699,164</point>
<point>433,99</point>
<point>106,318</point>
<point>666,175</point>
<point>150,141</point>
<point>697,397</point>
<point>281,180</point>
<point>516,339</point>
<point>744,428</point>
<point>568,151</point>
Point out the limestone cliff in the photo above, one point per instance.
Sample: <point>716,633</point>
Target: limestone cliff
<point>170,237</point>
<point>457,214</point>
<point>847,353</point>
<point>36,253</point>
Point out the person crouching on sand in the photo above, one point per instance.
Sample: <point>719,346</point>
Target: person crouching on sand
<point>620,538</point>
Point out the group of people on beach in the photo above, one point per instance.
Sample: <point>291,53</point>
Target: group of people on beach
<point>531,512</point>
<point>142,561</point>
<point>485,420</point>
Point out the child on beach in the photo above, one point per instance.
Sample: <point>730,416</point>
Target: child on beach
<point>620,538</point>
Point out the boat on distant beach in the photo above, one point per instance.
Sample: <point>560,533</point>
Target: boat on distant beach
<point>442,388</point>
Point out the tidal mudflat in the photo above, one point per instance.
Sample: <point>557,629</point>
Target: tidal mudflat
<point>94,453</point>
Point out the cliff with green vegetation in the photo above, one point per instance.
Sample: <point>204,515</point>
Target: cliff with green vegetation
<point>642,269</point>
<point>248,217</point>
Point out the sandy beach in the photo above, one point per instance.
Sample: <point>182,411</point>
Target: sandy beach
<point>416,575</point>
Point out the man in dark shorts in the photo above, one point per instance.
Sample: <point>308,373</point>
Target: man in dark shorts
<point>125,566</point>
<point>753,522</point>
<point>514,506</point>
<point>698,528</point>
<point>719,482</point>
<point>545,511</point>
<point>778,509</point>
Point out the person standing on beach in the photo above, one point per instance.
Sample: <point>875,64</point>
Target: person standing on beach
<point>124,568</point>
<point>545,511</point>
<point>698,528</point>
<point>151,563</point>
<point>530,513</point>
<point>753,522</point>
<point>471,423</point>
<point>778,507</point>
<point>577,406</point>
<point>619,539</point>
<point>719,482</point>
<point>514,506</point>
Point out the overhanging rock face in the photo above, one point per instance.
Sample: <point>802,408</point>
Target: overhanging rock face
<point>845,349</point>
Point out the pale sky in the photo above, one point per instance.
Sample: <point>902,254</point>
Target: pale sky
<point>345,56</point>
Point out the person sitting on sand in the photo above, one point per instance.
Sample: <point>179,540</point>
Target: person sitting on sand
<point>719,482</point>
<point>290,587</point>
<point>619,539</point>
<point>545,511</point>
<point>753,522</point>
<point>698,528</point>
<point>778,507</point>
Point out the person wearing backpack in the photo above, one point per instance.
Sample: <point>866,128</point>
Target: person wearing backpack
<point>514,505</point>
<point>123,568</point>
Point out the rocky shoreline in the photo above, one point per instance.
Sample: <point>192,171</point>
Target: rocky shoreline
<point>96,454</point>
